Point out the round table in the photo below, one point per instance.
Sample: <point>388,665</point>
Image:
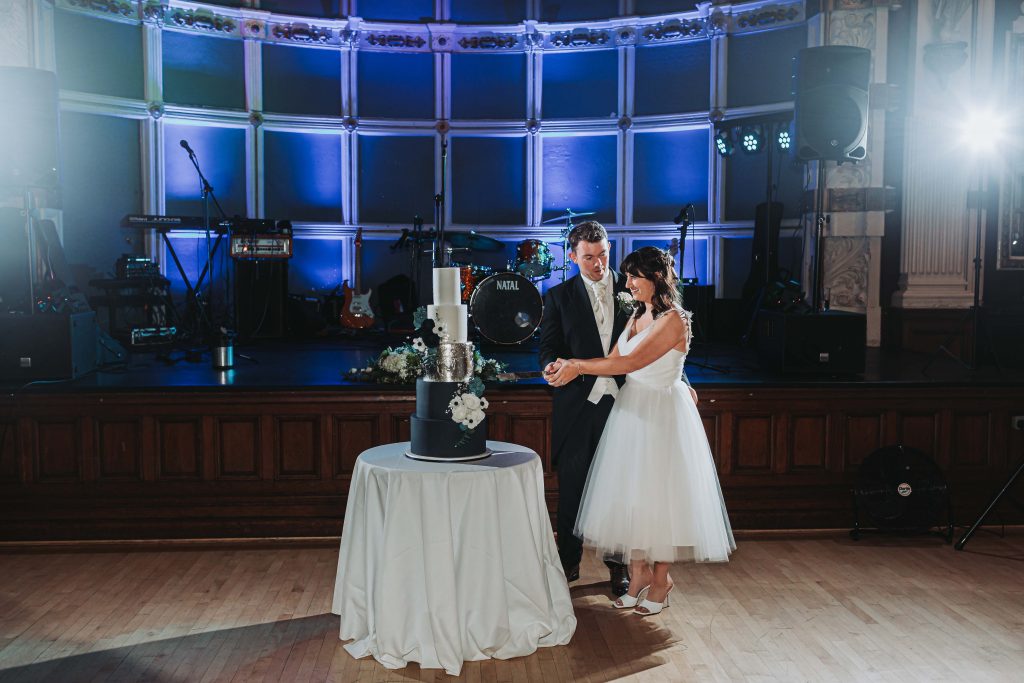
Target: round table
<point>443,563</point>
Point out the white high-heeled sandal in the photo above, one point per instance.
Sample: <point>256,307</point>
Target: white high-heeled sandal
<point>628,601</point>
<point>653,607</point>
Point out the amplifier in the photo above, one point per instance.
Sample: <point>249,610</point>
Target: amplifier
<point>129,267</point>
<point>261,246</point>
<point>42,346</point>
<point>832,342</point>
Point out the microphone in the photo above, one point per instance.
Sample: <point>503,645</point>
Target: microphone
<point>184,146</point>
<point>680,217</point>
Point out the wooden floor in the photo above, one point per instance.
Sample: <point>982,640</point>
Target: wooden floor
<point>802,609</point>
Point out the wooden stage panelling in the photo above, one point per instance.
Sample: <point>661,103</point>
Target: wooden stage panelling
<point>236,462</point>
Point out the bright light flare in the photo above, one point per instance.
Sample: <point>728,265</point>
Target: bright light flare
<point>984,130</point>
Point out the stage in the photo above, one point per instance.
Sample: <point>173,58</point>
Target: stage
<point>167,447</point>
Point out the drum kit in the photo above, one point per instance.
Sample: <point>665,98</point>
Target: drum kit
<point>506,306</point>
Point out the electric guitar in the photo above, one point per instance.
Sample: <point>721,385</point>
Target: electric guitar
<point>355,309</point>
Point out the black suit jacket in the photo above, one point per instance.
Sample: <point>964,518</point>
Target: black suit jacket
<point>570,331</point>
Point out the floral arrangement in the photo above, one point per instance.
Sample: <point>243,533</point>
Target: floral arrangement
<point>403,364</point>
<point>625,302</point>
<point>467,409</point>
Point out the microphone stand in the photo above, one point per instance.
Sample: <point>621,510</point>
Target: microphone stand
<point>207,333</point>
<point>685,219</point>
<point>440,255</point>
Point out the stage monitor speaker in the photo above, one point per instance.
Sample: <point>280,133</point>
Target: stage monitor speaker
<point>28,128</point>
<point>831,108</point>
<point>261,299</point>
<point>14,270</point>
<point>832,342</point>
<point>47,346</point>
<point>764,253</point>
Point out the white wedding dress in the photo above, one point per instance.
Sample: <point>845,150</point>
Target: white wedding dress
<point>653,493</point>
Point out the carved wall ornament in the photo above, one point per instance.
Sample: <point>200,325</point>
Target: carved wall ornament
<point>853,4</point>
<point>202,20</point>
<point>625,36</point>
<point>846,262</point>
<point>768,16</point>
<point>301,32</point>
<point>944,59</point>
<point>489,42</point>
<point>395,40</point>
<point>255,119</point>
<point>856,29</point>
<point>850,175</point>
<point>154,12</point>
<point>717,23</point>
<point>579,37</point>
<point>349,37</point>
<point>674,29</point>
<point>253,28</point>
<point>15,22</point>
<point>156,110</point>
<point>123,9</point>
<point>350,123</point>
<point>947,15</point>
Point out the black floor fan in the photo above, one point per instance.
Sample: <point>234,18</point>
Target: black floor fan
<point>901,490</point>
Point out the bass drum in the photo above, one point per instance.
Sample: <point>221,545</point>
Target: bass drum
<point>507,308</point>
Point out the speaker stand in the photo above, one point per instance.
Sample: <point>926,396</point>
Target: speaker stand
<point>992,504</point>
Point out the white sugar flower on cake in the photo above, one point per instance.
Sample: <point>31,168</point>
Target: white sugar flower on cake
<point>441,331</point>
<point>467,409</point>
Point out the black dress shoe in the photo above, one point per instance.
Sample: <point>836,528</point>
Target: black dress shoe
<point>618,578</point>
<point>571,573</point>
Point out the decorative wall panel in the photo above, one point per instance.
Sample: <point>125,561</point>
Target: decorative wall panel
<point>119,449</point>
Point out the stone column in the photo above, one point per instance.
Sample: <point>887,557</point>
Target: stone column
<point>947,75</point>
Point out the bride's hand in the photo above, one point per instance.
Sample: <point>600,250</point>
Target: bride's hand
<point>551,368</point>
<point>566,372</point>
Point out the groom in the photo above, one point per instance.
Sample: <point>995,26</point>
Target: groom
<point>582,320</point>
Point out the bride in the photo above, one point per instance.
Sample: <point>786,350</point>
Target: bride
<point>652,494</point>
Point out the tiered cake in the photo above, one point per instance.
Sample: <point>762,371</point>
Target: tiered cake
<point>434,434</point>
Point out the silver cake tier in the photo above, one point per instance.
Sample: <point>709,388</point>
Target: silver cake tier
<point>454,363</point>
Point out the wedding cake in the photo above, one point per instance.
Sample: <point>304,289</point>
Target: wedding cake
<point>448,423</point>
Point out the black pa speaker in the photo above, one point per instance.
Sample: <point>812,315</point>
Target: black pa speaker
<point>28,128</point>
<point>901,489</point>
<point>47,346</point>
<point>261,299</point>
<point>764,253</point>
<point>832,342</point>
<point>831,112</point>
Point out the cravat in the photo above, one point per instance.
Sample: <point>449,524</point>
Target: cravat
<point>599,301</point>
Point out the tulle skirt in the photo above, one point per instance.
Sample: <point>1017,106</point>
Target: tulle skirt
<point>653,493</point>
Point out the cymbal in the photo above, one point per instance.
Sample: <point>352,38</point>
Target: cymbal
<point>462,240</point>
<point>473,240</point>
<point>567,216</point>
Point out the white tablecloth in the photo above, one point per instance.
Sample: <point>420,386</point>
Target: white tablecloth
<point>443,563</point>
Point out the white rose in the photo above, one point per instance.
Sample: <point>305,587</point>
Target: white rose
<point>471,401</point>
<point>459,414</point>
<point>478,416</point>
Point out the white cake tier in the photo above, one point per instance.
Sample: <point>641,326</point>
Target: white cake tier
<point>447,286</point>
<point>454,318</point>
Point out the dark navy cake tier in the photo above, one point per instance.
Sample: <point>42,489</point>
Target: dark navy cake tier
<point>433,432</point>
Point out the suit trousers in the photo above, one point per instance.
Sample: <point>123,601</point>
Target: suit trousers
<point>574,457</point>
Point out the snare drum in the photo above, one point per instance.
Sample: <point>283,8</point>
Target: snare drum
<point>469,275</point>
<point>533,259</point>
<point>507,308</point>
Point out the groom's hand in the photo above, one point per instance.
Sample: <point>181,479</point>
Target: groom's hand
<point>564,373</point>
<point>551,368</point>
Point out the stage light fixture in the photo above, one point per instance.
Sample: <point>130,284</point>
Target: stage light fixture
<point>983,130</point>
<point>752,140</point>
<point>784,140</point>
<point>723,142</point>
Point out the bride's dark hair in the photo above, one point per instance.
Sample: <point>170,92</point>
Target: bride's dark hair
<point>655,265</point>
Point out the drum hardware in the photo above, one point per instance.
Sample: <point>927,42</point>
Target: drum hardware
<point>506,308</point>
<point>568,217</point>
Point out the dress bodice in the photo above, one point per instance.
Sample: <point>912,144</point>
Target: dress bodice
<point>662,372</point>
